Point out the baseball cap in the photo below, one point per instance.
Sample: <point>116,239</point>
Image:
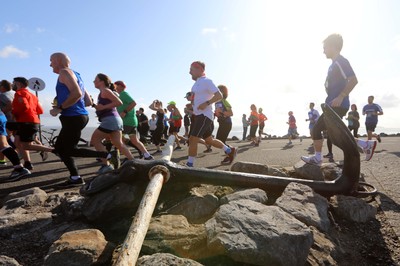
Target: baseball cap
<point>188,94</point>
<point>172,103</point>
<point>121,83</point>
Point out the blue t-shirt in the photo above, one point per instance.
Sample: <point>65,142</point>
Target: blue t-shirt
<point>336,81</point>
<point>313,116</point>
<point>370,111</point>
<point>62,94</point>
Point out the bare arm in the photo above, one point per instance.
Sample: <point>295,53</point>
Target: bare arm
<point>351,83</point>
<point>69,79</point>
<point>216,97</point>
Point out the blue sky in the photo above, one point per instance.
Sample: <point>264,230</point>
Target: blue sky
<point>266,52</point>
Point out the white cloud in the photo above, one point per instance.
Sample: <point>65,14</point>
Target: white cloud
<point>10,28</point>
<point>206,31</point>
<point>10,50</point>
<point>40,30</point>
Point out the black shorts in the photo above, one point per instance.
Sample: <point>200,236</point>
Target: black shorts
<point>370,126</point>
<point>26,131</point>
<point>129,130</point>
<point>202,127</point>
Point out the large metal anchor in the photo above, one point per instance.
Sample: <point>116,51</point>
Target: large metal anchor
<point>346,184</point>
<point>160,171</point>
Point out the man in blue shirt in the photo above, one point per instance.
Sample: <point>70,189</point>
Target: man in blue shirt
<point>372,110</point>
<point>340,81</point>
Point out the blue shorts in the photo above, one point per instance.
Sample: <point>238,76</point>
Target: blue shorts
<point>292,132</point>
<point>110,124</point>
<point>3,122</point>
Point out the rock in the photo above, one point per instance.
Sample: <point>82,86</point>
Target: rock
<point>7,261</point>
<point>250,232</point>
<point>116,199</point>
<point>29,197</point>
<point>173,233</point>
<point>83,247</point>
<point>165,259</point>
<point>249,167</point>
<point>352,209</point>
<point>327,171</point>
<point>255,194</point>
<point>303,203</point>
<point>196,208</point>
<point>256,168</point>
<point>322,251</point>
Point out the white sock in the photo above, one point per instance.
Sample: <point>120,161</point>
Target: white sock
<point>226,149</point>
<point>75,177</point>
<point>190,159</point>
<point>318,156</point>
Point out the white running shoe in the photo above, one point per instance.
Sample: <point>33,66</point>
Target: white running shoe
<point>311,160</point>
<point>369,149</point>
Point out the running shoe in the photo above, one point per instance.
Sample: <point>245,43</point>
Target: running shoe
<point>18,173</point>
<point>3,163</point>
<point>189,164</point>
<point>71,183</point>
<point>379,138</point>
<point>105,168</point>
<point>311,160</point>
<point>149,158</point>
<point>230,156</point>
<point>369,149</point>
<point>328,155</point>
<point>28,165</point>
<point>178,148</point>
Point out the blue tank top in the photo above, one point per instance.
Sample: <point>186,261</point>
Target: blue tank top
<point>62,94</point>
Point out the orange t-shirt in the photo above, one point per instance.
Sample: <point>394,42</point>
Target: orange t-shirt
<point>26,107</point>
<point>253,118</point>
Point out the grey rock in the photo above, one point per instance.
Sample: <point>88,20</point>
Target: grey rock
<point>353,209</point>
<point>119,197</point>
<point>303,203</point>
<point>255,194</point>
<point>29,197</point>
<point>7,261</point>
<point>165,259</point>
<point>253,233</point>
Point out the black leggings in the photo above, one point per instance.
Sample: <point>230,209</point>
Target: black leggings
<point>320,126</point>
<point>67,142</point>
<point>223,131</point>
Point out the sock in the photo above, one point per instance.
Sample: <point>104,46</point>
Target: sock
<point>318,156</point>
<point>75,177</point>
<point>227,149</point>
<point>190,159</point>
<point>11,155</point>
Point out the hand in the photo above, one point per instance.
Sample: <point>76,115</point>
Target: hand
<point>55,111</point>
<point>202,106</point>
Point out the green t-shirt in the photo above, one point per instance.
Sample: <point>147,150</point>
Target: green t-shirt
<point>130,118</point>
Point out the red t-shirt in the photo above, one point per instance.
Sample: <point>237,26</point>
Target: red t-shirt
<point>26,107</point>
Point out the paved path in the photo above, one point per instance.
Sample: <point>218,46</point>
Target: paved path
<point>382,171</point>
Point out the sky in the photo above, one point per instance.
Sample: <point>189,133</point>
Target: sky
<point>268,53</point>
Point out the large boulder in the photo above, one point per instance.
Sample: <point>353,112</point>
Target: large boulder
<point>303,203</point>
<point>250,232</point>
<point>80,248</point>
